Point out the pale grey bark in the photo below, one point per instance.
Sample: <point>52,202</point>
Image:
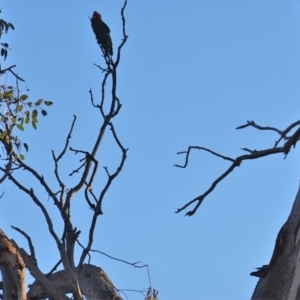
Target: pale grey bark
<point>93,281</point>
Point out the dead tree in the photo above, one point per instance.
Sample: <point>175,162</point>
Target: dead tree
<point>279,279</point>
<point>79,278</point>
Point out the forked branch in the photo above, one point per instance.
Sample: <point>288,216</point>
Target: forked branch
<point>291,141</point>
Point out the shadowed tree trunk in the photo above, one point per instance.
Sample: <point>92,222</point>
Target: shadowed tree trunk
<point>281,278</point>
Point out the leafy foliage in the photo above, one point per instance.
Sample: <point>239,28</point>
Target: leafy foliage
<point>4,26</point>
<point>16,111</point>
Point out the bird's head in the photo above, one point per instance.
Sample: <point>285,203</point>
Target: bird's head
<point>96,16</point>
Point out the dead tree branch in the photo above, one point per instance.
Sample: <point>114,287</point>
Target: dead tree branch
<point>74,279</point>
<point>291,141</point>
<point>32,252</point>
<point>11,71</point>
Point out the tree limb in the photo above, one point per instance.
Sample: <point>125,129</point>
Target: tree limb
<point>253,154</point>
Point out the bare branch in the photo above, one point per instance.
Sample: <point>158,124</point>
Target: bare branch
<point>56,160</point>
<point>283,134</point>
<point>32,252</point>
<point>67,140</point>
<point>98,208</point>
<point>135,264</point>
<point>54,268</point>
<point>10,70</point>
<point>253,154</point>
<point>90,191</point>
<point>40,205</point>
<point>199,148</point>
<point>253,124</point>
<point>42,182</point>
<point>62,198</point>
<point>6,170</point>
<point>125,36</point>
<point>46,284</point>
<point>92,98</point>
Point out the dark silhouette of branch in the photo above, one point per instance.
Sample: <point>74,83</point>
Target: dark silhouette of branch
<point>10,70</point>
<point>111,70</point>
<point>67,140</point>
<point>125,36</point>
<point>32,252</point>
<point>42,181</point>
<point>35,199</point>
<point>98,209</point>
<point>88,191</point>
<point>109,106</point>
<point>54,268</point>
<point>135,264</point>
<point>291,141</point>
<point>7,169</point>
<point>200,148</point>
<point>114,109</point>
<point>283,134</point>
<point>57,159</point>
<point>253,124</point>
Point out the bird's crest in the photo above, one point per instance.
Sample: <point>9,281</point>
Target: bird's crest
<point>96,16</point>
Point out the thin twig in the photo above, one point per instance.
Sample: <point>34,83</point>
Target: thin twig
<point>32,252</point>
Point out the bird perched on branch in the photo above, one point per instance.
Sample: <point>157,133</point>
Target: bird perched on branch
<point>102,33</point>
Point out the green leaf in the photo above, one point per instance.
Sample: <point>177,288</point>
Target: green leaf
<point>25,146</point>
<point>10,87</point>
<point>3,135</point>
<point>20,107</point>
<point>33,125</point>
<point>11,26</point>
<point>44,113</point>
<point>22,157</point>
<point>8,95</point>
<point>20,126</point>
<point>4,53</point>
<point>37,103</point>
<point>29,104</point>
<point>48,103</point>
<point>23,97</point>
<point>34,113</point>
<point>13,120</point>
<point>21,120</point>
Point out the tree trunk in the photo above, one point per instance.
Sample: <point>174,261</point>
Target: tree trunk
<point>93,281</point>
<point>12,269</point>
<point>281,278</point>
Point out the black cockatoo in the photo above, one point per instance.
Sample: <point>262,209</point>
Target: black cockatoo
<point>102,33</point>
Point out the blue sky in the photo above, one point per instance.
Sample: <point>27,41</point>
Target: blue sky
<point>191,72</point>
